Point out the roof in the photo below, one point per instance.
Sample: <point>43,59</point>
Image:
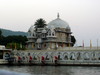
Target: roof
<point>58,23</point>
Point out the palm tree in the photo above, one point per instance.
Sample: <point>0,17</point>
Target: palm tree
<point>73,40</point>
<point>40,23</point>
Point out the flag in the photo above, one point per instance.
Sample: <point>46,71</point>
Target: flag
<point>97,43</point>
<point>90,44</point>
<point>83,43</point>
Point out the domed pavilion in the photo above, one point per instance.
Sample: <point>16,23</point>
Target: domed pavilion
<point>57,34</point>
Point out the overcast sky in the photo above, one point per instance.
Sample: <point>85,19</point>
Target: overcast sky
<point>83,16</point>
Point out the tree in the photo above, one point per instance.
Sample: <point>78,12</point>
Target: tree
<point>1,38</point>
<point>12,41</point>
<point>0,33</point>
<point>73,40</point>
<point>17,46</point>
<point>40,23</point>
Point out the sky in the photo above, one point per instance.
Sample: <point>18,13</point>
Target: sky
<point>83,16</point>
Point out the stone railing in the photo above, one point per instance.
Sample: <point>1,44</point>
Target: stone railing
<point>77,48</point>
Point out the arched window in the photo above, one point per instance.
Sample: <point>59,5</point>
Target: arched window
<point>29,33</point>
<point>43,35</point>
<point>49,33</point>
<point>72,56</point>
<point>44,45</point>
<point>86,56</point>
<point>79,56</point>
<point>65,55</point>
<point>53,34</point>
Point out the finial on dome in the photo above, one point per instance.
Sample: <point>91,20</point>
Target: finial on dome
<point>58,15</point>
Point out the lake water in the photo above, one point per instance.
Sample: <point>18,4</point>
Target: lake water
<point>49,70</point>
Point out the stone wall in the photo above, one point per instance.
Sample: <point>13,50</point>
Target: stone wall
<point>74,56</point>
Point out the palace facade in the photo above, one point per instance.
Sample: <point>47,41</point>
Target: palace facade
<point>55,35</point>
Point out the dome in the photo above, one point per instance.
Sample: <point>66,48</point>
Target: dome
<point>58,23</point>
<point>68,27</point>
<point>31,29</point>
<point>51,27</point>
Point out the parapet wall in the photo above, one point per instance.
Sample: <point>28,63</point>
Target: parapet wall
<point>68,56</point>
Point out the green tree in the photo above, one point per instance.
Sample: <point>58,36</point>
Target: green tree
<point>73,40</point>
<point>0,33</point>
<point>11,41</point>
<point>40,23</point>
<point>1,38</point>
<point>17,46</point>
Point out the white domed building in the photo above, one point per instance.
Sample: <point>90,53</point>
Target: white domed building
<point>57,34</point>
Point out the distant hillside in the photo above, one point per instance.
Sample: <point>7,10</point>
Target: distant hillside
<point>6,32</point>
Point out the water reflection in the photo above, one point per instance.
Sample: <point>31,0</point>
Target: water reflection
<point>53,70</point>
<point>6,72</point>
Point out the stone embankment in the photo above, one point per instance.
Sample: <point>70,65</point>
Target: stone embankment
<point>61,56</point>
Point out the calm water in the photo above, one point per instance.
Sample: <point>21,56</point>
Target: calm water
<point>49,70</point>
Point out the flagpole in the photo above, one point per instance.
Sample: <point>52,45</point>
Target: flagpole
<point>90,44</point>
<point>97,44</point>
<point>83,44</point>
